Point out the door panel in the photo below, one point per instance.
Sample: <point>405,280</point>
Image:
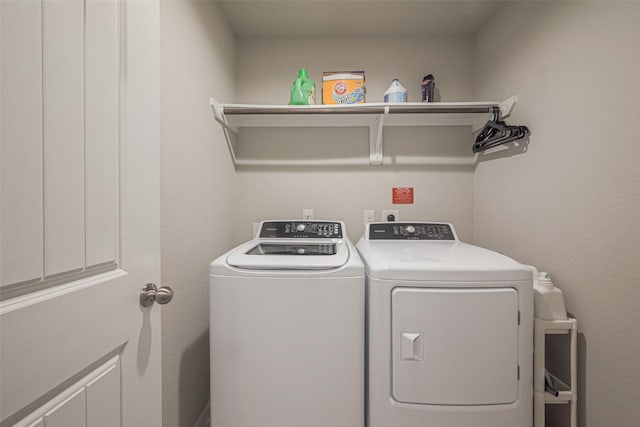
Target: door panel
<point>455,346</point>
<point>63,84</point>
<point>77,152</point>
<point>99,404</point>
<point>103,399</point>
<point>101,131</point>
<point>21,231</point>
<point>71,412</point>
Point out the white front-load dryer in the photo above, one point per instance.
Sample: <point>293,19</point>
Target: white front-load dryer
<point>287,329</point>
<point>450,330</point>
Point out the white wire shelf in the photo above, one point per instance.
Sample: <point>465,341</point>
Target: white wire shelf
<point>374,116</point>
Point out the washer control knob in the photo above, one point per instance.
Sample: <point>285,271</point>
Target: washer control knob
<point>410,229</point>
<point>301,227</point>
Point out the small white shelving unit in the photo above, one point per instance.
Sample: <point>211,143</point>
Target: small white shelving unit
<point>567,392</point>
<point>374,116</point>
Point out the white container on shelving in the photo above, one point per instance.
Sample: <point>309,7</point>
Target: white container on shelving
<point>396,92</point>
<point>548,300</point>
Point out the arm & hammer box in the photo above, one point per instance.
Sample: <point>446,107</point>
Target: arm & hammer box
<point>343,87</point>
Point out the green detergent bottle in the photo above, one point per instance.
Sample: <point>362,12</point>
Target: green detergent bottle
<point>303,91</point>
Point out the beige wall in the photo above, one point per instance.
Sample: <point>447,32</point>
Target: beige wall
<point>571,203</point>
<point>197,61</point>
<point>266,70</point>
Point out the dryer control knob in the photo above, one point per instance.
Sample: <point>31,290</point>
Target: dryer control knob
<point>301,227</point>
<point>410,229</point>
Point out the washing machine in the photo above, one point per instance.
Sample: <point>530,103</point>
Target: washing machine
<point>450,330</point>
<point>287,329</point>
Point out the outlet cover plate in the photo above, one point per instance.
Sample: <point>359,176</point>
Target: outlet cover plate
<point>387,212</point>
<point>369,215</point>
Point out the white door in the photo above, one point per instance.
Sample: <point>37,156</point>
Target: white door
<point>79,213</point>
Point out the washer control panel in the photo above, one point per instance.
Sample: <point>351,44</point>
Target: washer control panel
<point>411,231</point>
<point>301,229</point>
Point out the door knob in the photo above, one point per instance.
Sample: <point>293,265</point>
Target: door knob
<point>150,294</point>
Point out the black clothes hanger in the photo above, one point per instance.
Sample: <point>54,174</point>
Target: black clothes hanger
<point>496,132</point>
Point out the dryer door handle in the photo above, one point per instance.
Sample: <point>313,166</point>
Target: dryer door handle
<point>411,348</point>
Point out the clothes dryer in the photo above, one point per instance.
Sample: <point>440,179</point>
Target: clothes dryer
<point>450,330</point>
<point>287,329</point>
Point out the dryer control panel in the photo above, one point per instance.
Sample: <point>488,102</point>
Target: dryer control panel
<point>301,229</point>
<point>411,231</point>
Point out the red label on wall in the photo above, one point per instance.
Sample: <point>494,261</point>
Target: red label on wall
<point>402,195</point>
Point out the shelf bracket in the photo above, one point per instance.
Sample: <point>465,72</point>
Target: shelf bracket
<point>375,138</point>
<point>506,106</point>
<point>218,114</point>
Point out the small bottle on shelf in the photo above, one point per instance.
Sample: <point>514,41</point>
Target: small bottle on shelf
<point>428,88</point>
<point>396,92</point>
<point>303,91</point>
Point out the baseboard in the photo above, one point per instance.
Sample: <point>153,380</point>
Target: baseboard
<point>204,420</point>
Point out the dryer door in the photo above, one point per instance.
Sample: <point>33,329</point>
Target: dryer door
<point>455,346</point>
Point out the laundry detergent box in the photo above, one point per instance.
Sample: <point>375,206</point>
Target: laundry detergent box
<point>343,87</point>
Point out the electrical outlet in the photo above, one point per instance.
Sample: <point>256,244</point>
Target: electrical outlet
<point>390,215</point>
<point>369,215</point>
<point>307,214</point>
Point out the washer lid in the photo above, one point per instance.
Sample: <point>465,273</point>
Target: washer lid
<point>446,261</point>
<point>281,254</point>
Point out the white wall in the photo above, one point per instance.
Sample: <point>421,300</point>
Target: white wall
<point>266,70</point>
<point>571,203</point>
<point>197,61</point>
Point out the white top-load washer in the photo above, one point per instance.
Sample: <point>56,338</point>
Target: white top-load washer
<point>450,330</point>
<point>287,329</point>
